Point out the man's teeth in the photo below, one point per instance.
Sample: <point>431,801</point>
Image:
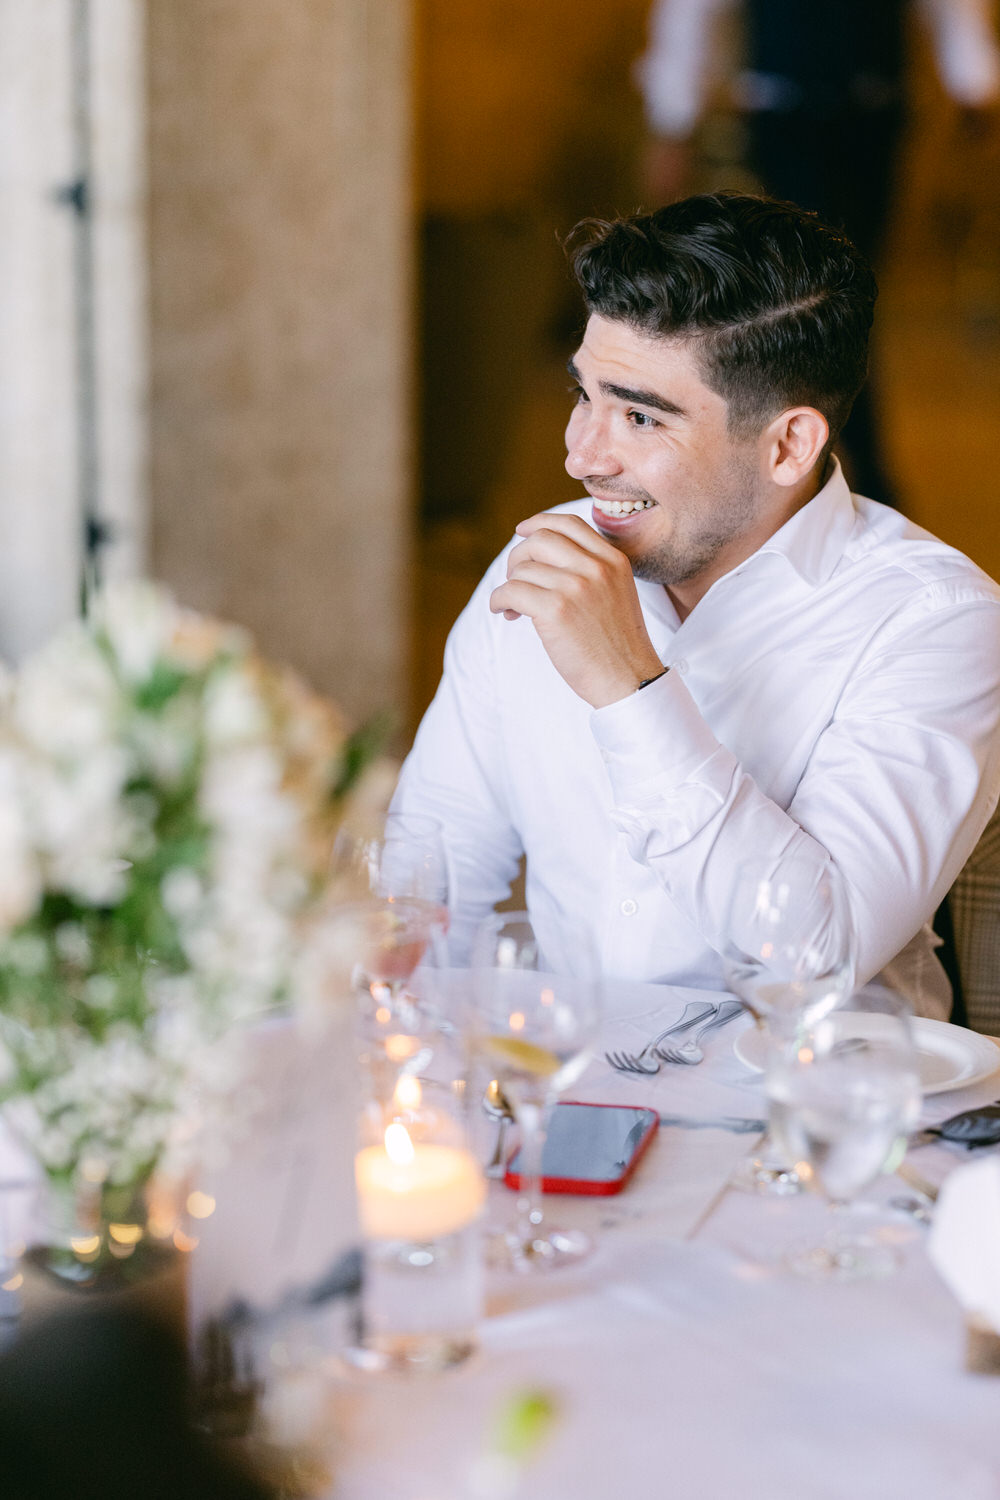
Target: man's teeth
<point>623,507</point>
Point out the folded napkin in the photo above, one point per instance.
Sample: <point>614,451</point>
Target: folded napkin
<point>965,1248</point>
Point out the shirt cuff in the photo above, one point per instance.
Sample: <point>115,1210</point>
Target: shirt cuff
<point>654,740</point>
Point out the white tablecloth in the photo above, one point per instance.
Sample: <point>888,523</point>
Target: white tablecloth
<point>684,1359</point>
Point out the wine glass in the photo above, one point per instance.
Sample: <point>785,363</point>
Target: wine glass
<point>407,859</point>
<point>401,879</point>
<point>843,1099</point>
<point>789,957</point>
<point>392,951</point>
<point>532,1018</point>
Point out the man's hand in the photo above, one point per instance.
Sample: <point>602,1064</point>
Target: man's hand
<point>579,593</point>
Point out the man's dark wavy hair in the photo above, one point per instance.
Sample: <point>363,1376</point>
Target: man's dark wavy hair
<point>776,303</point>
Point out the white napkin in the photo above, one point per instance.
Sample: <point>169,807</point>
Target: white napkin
<point>965,1239</point>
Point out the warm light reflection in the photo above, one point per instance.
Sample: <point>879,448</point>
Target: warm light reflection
<point>161,1222</point>
<point>516,1021</point>
<point>399,1047</point>
<point>125,1234</point>
<point>383,1015</point>
<point>547,997</point>
<point>85,1246</point>
<point>408,1094</point>
<point>14,1284</point>
<point>767,950</point>
<point>806,1055</point>
<point>398,1146</point>
<point>185,1242</point>
<point>200,1205</point>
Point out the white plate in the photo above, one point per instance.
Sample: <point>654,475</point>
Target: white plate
<point>950,1056</point>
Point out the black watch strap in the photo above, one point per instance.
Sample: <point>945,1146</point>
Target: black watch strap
<point>647,680</point>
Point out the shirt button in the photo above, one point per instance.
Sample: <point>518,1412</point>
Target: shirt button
<point>681,666</point>
<point>629,907</point>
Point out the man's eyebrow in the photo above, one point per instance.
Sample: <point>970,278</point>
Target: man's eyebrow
<point>637,396</point>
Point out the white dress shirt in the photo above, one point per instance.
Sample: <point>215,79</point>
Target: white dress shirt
<point>836,696</point>
<point>686,54</point>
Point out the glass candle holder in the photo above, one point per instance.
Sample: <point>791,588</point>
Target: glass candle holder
<point>420,1195</point>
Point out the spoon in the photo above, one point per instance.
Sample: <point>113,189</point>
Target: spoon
<point>497,1106</point>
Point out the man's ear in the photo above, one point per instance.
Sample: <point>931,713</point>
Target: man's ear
<point>792,444</point>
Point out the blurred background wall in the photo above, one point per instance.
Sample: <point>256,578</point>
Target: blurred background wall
<point>280,295</point>
<point>205,319</point>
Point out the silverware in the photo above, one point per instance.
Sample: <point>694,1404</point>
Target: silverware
<point>917,1181</point>
<point>737,1124</point>
<point>498,1107</point>
<point>646,1061</point>
<point>691,1051</point>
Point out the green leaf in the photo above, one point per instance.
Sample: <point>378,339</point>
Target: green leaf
<point>164,683</point>
<point>360,749</point>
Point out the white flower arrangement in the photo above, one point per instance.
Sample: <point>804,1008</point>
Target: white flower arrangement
<point>167,807</point>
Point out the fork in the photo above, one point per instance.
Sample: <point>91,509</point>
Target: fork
<point>638,1062</point>
<point>692,1052</point>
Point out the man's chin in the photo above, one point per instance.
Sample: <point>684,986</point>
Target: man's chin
<point>663,569</point>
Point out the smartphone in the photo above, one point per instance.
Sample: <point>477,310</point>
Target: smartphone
<point>590,1148</point>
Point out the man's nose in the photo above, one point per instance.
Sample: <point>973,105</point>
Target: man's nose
<point>588,448</point>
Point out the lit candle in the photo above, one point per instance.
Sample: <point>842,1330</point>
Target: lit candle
<point>416,1192</point>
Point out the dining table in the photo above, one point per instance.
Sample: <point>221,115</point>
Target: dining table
<point>682,1357</point>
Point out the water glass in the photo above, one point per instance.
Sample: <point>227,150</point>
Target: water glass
<point>844,1097</point>
<point>789,956</point>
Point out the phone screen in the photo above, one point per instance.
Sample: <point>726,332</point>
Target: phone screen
<point>590,1144</point>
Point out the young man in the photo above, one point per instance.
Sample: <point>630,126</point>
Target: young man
<point>723,654</point>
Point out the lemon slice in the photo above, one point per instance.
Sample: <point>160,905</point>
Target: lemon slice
<point>524,1056</point>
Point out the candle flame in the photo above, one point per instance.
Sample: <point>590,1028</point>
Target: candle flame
<point>408,1094</point>
<point>398,1146</point>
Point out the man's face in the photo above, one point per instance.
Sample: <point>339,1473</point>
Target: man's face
<point>673,489</point>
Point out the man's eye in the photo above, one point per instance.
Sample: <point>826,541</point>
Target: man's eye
<point>641,419</point>
<point>580,394</point>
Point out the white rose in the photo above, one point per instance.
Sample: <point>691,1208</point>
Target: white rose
<point>234,712</point>
<point>66,700</point>
<point>139,619</point>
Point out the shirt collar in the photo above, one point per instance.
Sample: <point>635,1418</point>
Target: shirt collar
<point>813,540</point>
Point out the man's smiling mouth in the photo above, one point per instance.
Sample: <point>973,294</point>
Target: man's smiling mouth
<point>621,507</point>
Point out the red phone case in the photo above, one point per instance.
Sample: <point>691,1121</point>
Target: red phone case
<point>586,1186</point>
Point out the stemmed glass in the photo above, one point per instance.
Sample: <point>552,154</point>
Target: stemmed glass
<point>400,924</point>
<point>407,861</point>
<point>789,957</point>
<point>532,1018</point>
<point>843,1100</point>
